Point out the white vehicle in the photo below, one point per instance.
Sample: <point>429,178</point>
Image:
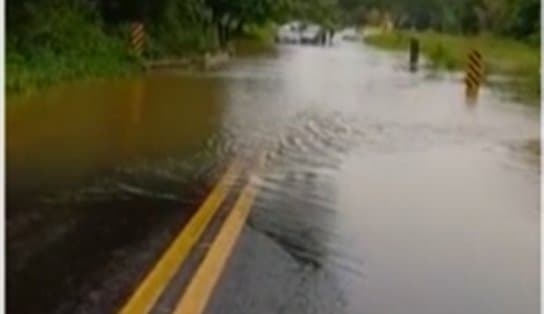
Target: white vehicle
<point>310,34</point>
<point>287,35</point>
<point>295,26</point>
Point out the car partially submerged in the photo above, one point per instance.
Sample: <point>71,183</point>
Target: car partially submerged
<point>311,34</point>
<point>300,33</point>
<point>288,34</point>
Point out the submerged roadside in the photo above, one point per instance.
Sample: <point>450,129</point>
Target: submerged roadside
<point>518,61</point>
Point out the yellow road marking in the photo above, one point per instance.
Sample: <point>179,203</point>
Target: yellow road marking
<point>147,293</point>
<point>200,288</point>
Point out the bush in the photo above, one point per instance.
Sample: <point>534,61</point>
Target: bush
<point>61,41</point>
<point>165,40</point>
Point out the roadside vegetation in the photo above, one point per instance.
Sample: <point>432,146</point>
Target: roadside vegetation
<point>507,32</point>
<point>517,60</point>
<point>45,44</point>
<point>59,40</point>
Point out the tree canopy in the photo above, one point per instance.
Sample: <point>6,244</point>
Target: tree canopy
<point>515,18</point>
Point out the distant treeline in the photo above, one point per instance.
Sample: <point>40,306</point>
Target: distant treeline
<point>178,25</point>
<point>519,19</point>
<point>171,25</point>
<point>51,40</point>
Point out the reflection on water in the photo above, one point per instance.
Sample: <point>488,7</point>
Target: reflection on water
<point>93,171</point>
<point>366,178</point>
<point>453,230</point>
<point>365,170</point>
<point>70,132</point>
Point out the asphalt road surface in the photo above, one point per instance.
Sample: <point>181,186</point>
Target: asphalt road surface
<point>384,192</point>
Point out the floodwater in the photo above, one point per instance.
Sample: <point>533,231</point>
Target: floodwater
<point>384,192</point>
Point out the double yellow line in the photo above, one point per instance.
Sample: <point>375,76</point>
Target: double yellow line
<point>201,285</point>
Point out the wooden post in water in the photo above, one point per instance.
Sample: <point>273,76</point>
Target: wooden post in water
<point>414,54</point>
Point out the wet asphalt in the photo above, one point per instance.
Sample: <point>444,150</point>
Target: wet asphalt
<point>384,192</point>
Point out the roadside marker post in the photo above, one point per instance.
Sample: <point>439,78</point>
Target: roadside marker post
<point>414,54</point>
<point>137,37</point>
<point>474,75</point>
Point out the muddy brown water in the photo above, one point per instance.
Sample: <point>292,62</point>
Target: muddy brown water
<point>411,200</point>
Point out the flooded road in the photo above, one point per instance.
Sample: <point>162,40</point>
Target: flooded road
<point>384,191</point>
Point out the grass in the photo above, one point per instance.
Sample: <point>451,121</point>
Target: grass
<point>53,41</point>
<point>517,60</point>
<point>28,72</point>
<point>263,34</point>
<point>169,41</point>
<point>62,43</point>
<point>66,41</point>
<point>255,39</point>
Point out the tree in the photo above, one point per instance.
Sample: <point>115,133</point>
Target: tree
<point>231,16</point>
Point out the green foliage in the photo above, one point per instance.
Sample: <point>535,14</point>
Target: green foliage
<point>518,19</point>
<point>506,31</point>
<point>518,60</point>
<point>164,41</point>
<point>231,17</point>
<point>51,40</point>
<point>55,40</point>
<point>58,42</point>
<point>324,12</point>
<point>177,28</point>
<point>439,54</point>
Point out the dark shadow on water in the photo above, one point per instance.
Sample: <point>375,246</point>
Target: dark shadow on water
<point>99,177</point>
